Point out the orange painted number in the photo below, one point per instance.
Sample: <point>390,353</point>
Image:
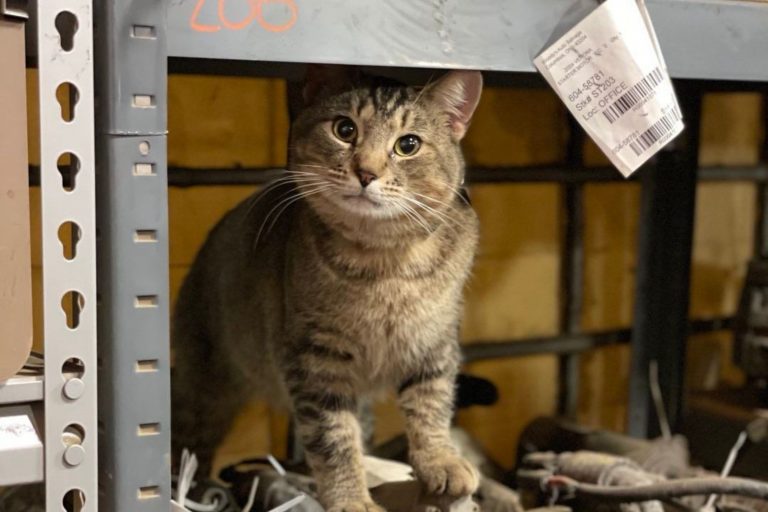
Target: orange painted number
<point>277,28</point>
<point>196,25</point>
<point>254,13</point>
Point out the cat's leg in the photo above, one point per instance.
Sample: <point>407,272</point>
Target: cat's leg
<point>325,409</point>
<point>426,399</point>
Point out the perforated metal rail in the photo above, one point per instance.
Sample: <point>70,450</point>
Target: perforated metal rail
<point>65,50</point>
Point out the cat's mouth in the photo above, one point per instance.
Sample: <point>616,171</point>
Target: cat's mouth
<point>361,200</point>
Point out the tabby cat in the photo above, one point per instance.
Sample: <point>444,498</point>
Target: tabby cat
<point>342,279</point>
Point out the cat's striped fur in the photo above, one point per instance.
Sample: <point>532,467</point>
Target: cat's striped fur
<point>318,299</point>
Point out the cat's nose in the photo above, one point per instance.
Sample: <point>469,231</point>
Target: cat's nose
<point>365,177</point>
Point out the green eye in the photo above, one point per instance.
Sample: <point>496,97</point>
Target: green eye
<point>344,128</point>
<point>407,145</point>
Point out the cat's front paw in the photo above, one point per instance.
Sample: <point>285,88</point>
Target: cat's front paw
<point>445,473</point>
<point>355,506</point>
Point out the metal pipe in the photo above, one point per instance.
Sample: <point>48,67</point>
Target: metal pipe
<point>572,272</point>
<point>571,344</point>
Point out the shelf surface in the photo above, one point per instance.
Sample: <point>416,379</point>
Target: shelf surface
<point>21,389</point>
<point>701,39</point>
<point>21,450</point>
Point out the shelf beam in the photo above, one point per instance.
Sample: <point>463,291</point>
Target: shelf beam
<point>701,39</point>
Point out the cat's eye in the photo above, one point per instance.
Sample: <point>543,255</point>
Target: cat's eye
<point>407,145</point>
<point>344,128</point>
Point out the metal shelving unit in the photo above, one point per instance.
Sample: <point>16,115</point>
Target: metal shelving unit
<point>721,40</point>
<point>66,389</point>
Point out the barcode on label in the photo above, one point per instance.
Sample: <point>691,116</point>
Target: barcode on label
<point>659,129</point>
<point>630,98</point>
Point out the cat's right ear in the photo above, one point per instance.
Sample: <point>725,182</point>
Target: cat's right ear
<point>458,93</point>
<point>324,79</point>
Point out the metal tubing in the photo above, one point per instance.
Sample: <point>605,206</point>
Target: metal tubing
<point>663,276</point>
<point>571,344</point>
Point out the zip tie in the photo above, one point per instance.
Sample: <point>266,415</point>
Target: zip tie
<point>729,462</point>
<point>658,400</point>
<point>278,467</point>
<point>289,504</point>
<point>251,495</point>
<point>187,470</point>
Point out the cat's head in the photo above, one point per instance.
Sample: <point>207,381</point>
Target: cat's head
<point>377,150</point>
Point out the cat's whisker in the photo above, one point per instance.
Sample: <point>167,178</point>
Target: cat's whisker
<point>276,184</point>
<point>283,201</point>
<point>427,208</point>
<point>300,173</point>
<point>399,207</point>
<point>271,187</point>
<point>301,195</point>
<point>440,216</point>
<point>423,89</point>
<point>449,206</point>
<point>413,215</point>
<point>311,166</point>
<point>453,189</point>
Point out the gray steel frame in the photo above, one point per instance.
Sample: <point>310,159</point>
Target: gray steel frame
<point>134,405</point>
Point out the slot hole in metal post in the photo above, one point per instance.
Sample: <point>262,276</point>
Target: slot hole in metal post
<point>147,365</point>
<point>74,501</point>
<point>144,169</point>
<point>143,32</point>
<point>69,235</point>
<point>66,25</point>
<point>146,301</point>
<point>143,101</point>
<point>148,429</point>
<point>73,303</point>
<point>149,492</point>
<point>73,434</point>
<point>67,95</point>
<point>68,165</point>
<point>73,367</point>
<point>145,236</point>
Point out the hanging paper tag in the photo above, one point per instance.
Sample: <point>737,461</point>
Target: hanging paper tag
<point>611,76</point>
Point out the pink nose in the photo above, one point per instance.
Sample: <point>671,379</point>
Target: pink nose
<point>365,177</point>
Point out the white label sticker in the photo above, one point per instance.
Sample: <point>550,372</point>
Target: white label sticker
<point>17,432</point>
<point>607,71</point>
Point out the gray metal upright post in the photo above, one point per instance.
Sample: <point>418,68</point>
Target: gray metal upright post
<point>67,174</point>
<point>572,274</point>
<point>134,389</point>
<point>660,328</point>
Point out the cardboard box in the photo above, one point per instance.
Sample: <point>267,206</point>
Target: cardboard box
<point>15,258</point>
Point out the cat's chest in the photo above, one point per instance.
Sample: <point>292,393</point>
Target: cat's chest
<point>389,325</point>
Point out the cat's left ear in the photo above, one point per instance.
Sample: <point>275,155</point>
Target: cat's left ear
<point>458,93</point>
